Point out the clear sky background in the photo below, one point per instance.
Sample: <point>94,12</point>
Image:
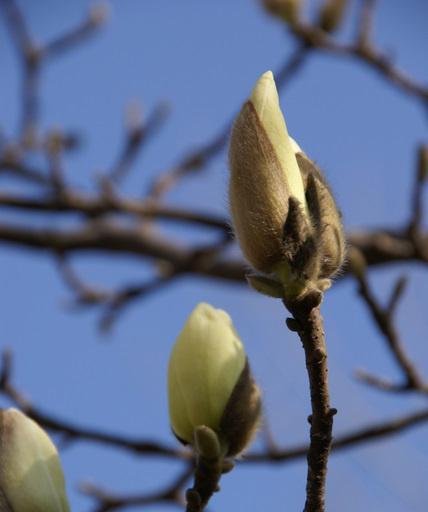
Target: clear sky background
<point>203,58</point>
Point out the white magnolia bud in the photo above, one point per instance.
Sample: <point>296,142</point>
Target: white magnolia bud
<point>264,175</point>
<point>31,476</point>
<point>207,369</point>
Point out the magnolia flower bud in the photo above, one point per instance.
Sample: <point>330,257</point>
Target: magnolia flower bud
<point>283,212</point>
<point>31,477</point>
<point>264,175</point>
<point>209,383</point>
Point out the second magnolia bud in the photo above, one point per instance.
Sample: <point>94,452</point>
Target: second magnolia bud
<point>210,388</point>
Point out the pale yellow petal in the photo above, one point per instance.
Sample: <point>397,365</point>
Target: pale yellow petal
<point>266,102</point>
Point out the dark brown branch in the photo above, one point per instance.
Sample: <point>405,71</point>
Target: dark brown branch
<point>378,247</point>
<point>92,206</point>
<point>309,325</point>
<point>108,237</point>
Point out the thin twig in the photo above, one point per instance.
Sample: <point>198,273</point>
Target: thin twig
<point>75,36</point>
<point>127,294</point>
<point>77,202</point>
<point>137,136</point>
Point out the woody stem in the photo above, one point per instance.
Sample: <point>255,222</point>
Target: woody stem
<point>308,323</point>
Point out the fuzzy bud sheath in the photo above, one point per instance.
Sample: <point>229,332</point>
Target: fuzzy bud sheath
<point>283,212</point>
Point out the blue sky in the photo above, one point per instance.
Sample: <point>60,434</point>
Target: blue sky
<point>203,58</point>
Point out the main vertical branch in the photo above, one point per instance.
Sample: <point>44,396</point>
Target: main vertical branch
<point>308,323</point>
